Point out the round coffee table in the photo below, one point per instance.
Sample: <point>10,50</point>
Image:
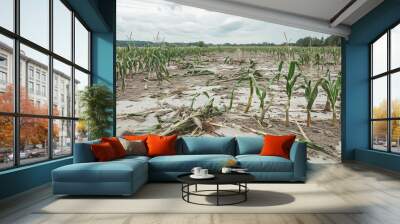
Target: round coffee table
<point>238,179</point>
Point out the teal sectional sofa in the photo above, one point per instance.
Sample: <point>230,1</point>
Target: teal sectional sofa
<point>125,176</point>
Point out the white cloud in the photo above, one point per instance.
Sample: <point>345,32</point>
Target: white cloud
<point>179,23</point>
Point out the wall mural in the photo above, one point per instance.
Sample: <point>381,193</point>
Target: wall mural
<point>214,79</point>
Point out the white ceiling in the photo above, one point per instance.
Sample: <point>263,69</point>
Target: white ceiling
<point>321,9</point>
<point>314,15</point>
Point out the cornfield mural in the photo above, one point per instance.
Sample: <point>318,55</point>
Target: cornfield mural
<point>232,90</point>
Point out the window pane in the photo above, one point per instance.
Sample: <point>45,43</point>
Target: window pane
<point>35,21</point>
<point>379,97</point>
<point>81,45</point>
<point>7,14</point>
<point>6,74</point>
<point>34,97</point>
<point>395,138</point>
<point>81,82</point>
<point>379,55</point>
<point>395,47</point>
<point>33,139</point>
<point>395,94</point>
<point>62,29</point>
<point>81,132</point>
<point>6,142</point>
<point>62,89</point>
<point>379,135</point>
<point>62,138</point>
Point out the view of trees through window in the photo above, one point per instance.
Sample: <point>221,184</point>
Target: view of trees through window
<point>191,71</point>
<point>385,82</point>
<point>37,99</point>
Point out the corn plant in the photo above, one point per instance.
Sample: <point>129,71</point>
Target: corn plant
<point>332,88</point>
<point>310,93</point>
<point>252,64</point>
<point>250,79</point>
<point>262,92</point>
<point>290,79</point>
<point>194,100</point>
<point>249,76</point>
<point>232,94</point>
<point>228,60</point>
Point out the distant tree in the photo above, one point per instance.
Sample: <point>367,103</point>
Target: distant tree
<point>332,41</point>
<point>310,41</point>
<point>318,42</point>
<point>34,131</point>
<point>201,44</point>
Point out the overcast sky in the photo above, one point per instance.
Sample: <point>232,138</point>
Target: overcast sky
<point>179,23</point>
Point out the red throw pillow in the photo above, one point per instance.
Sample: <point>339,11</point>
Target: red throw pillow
<point>103,152</point>
<point>277,145</point>
<point>161,145</point>
<point>116,145</point>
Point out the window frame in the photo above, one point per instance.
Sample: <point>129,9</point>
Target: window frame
<point>16,114</point>
<point>388,74</point>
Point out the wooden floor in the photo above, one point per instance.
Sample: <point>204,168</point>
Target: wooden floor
<point>379,189</point>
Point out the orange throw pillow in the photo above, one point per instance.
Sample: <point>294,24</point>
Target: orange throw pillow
<point>161,145</point>
<point>116,145</point>
<point>142,138</point>
<point>135,137</point>
<point>277,145</point>
<point>103,152</point>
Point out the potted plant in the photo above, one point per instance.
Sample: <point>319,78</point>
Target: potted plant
<point>97,104</point>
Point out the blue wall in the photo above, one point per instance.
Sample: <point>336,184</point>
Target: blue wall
<point>24,178</point>
<point>103,52</point>
<point>99,15</point>
<point>356,101</point>
<point>103,64</point>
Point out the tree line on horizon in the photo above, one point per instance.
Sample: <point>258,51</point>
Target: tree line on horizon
<point>333,41</point>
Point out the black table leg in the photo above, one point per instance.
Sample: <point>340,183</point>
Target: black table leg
<point>245,193</point>
<point>182,190</point>
<point>188,190</point>
<point>195,188</point>
<point>217,194</point>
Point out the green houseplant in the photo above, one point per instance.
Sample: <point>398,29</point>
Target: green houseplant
<point>97,109</point>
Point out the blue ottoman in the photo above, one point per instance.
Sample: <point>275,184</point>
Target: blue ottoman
<point>119,177</point>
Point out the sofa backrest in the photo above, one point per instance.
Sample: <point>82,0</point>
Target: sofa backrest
<point>206,145</point>
<point>83,152</point>
<point>249,145</point>
<point>188,145</point>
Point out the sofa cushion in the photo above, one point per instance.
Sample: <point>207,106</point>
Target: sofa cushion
<point>206,145</point>
<point>133,158</point>
<point>249,145</point>
<point>112,171</point>
<point>257,163</point>
<point>185,163</point>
